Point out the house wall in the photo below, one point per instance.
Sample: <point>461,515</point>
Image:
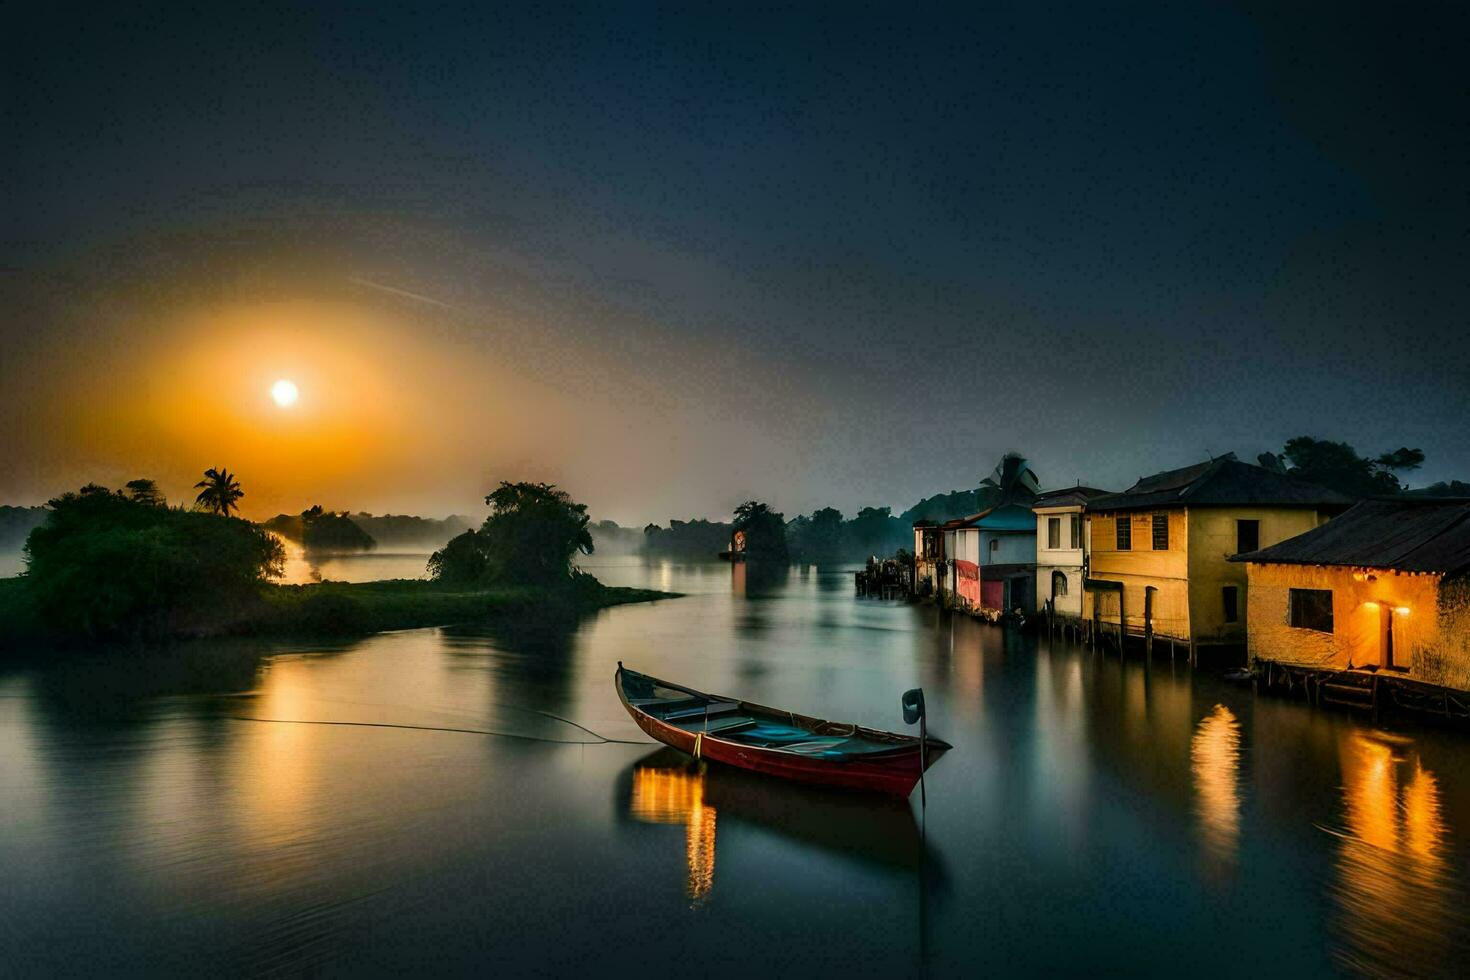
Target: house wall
<point>967,566</point>
<point>1432,639</point>
<point>1212,540</point>
<point>924,569</point>
<point>1139,568</point>
<point>1012,547</point>
<point>1067,560</point>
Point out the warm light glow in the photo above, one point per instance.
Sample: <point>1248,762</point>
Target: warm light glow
<point>1393,861</point>
<point>1215,760</point>
<point>284,392</point>
<point>671,796</point>
<point>1401,610</point>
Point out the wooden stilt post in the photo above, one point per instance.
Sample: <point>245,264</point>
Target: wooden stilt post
<point>1148,621</point>
<point>1122,624</point>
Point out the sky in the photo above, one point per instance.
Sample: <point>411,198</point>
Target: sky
<point>673,258</point>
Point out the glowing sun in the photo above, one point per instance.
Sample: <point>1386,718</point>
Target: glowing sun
<point>284,392</point>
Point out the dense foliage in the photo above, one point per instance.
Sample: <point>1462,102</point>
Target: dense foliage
<point>826,536</point>
<point>687,539</point>
<point>325,530</point>
<point>765,531</point>
<point>530,538</point>
<point>107,565</point>
<point>1337,466</point>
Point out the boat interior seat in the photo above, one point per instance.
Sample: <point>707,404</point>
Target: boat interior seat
<point>713,709</point>
<point>722,726</point>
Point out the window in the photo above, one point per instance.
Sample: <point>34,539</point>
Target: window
<point>1311,609</point>
<point>1053,532</point>
<point>1058,584</point>
<point>1161,532</point>
<point>994,546</point>
<point>1231,596</point>
<point>1247,536</point>
<point>1125,533</point>
<point>1076,530</point>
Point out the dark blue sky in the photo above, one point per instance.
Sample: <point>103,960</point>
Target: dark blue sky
<point>873,249</point>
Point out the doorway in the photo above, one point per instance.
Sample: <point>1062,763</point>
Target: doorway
<point>1386,637</point>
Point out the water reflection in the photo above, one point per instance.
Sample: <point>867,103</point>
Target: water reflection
<point>676,796</point>
<point>667,787</point>
<point>151,819</point>
<point>1214,757</point>
<point>1392,888</point>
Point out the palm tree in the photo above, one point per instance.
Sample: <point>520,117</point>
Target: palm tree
<point>218,491</point>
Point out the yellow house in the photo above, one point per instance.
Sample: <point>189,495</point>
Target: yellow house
<point>1385,587</point>
<point>1159,551</point>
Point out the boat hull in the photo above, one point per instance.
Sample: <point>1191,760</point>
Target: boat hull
<point>893,773</point>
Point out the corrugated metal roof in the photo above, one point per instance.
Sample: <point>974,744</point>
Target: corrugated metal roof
<point>1222,482</point>
<point>1407,535</point>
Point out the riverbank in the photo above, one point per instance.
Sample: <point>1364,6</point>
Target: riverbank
<point>347,609</point>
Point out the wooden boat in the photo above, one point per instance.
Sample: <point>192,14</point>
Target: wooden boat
<point>775,742</point>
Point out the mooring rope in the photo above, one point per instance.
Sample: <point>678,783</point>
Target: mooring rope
<point>601,740</point>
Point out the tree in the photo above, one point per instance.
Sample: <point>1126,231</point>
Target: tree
<point>218,492</point>
<point>1338,466</point>
<point>325,530</point>
<point>463,561</point>
<point>106,565</point>
<point>145,491</point>
<point>533,532</point>
<point>819,537</point>
<point>765,530</point>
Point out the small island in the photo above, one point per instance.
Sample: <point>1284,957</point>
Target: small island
<point>109,566</point>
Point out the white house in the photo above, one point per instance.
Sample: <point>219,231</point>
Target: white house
<point>1062,548</point>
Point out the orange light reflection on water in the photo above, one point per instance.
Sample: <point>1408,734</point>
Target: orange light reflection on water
<point>673,796</point>
<point>1214,755</point>
<point>1392,884</point>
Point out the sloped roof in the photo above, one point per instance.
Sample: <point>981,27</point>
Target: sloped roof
<point>1221,482</point>
<point>1068,497</point>
<point>1008,517</point>
<point>1408,535</point>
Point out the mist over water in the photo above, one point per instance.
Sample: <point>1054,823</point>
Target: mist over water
<point>346,807</point>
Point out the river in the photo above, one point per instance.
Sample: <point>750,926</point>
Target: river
<point>240,809</point>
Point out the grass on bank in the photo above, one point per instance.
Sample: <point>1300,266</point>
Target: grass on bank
<point>369,607</point>
<point>355,608</point>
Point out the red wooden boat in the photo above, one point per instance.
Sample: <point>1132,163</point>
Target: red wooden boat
<point>775,742</point>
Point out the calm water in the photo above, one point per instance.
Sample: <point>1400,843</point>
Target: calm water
<point>303,566</point>
<point>188,812</point>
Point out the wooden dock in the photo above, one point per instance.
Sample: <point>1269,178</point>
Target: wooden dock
<point>1375,692</point>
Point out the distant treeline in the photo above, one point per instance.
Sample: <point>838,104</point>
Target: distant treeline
<point>316,529</point>
<point>611,538</point>
<point>826,535</point>
<point>402,530</point>
<point>323,530</point>
<point>687,539</point>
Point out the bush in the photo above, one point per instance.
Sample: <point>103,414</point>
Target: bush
<point>529,538</point>
<point>106,566</point>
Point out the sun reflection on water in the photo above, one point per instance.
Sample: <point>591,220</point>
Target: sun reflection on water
<point>674,796</point>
